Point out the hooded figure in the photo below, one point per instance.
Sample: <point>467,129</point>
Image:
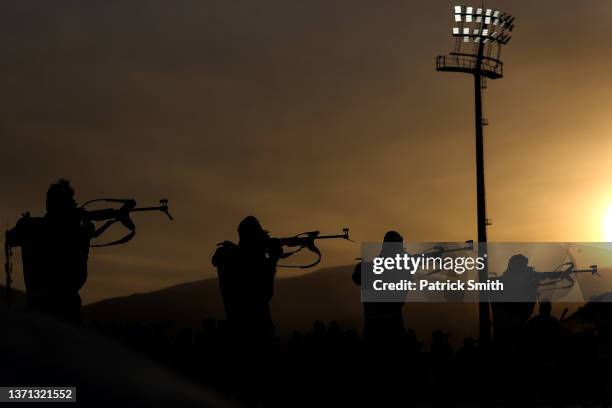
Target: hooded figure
<point>383,321</point>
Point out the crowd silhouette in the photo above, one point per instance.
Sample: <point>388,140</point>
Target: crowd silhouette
<point>537,359</point>
<point>332,366</point>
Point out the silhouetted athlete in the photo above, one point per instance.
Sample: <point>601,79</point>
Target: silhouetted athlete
<point>246,279</point>
<point>246,276</point>
<point>513,306</point>
<point>54,252</point>
<point>383,321</point>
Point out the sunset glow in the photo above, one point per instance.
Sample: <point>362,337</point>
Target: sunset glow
<point>607,225</point>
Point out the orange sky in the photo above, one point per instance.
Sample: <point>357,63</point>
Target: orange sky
<point>309,115</point>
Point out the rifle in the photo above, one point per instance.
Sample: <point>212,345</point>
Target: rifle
<point>121,214</point>
<point>307,240</point>
<point>558,276</point>
<point>8,270</point>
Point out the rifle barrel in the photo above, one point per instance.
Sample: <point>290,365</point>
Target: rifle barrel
<point>159,208</point>
<point>110,213</point>
<point>331,236</point>
<point>163,208</point>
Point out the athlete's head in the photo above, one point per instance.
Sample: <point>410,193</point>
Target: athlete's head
<point>393,244</point>
<point>250,230</point>
<point>60,197</point>
<point>393,236</point>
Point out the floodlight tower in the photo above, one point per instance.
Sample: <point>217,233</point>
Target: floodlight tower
<point>479,36</point>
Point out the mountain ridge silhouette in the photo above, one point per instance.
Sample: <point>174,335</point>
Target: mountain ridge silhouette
<point>186,304</point>
<point>326,294</point>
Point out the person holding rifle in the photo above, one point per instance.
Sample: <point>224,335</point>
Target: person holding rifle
<point>246,278</point>
<point>54,251</point>
<point>246,274</point>
<point>55,248</point>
